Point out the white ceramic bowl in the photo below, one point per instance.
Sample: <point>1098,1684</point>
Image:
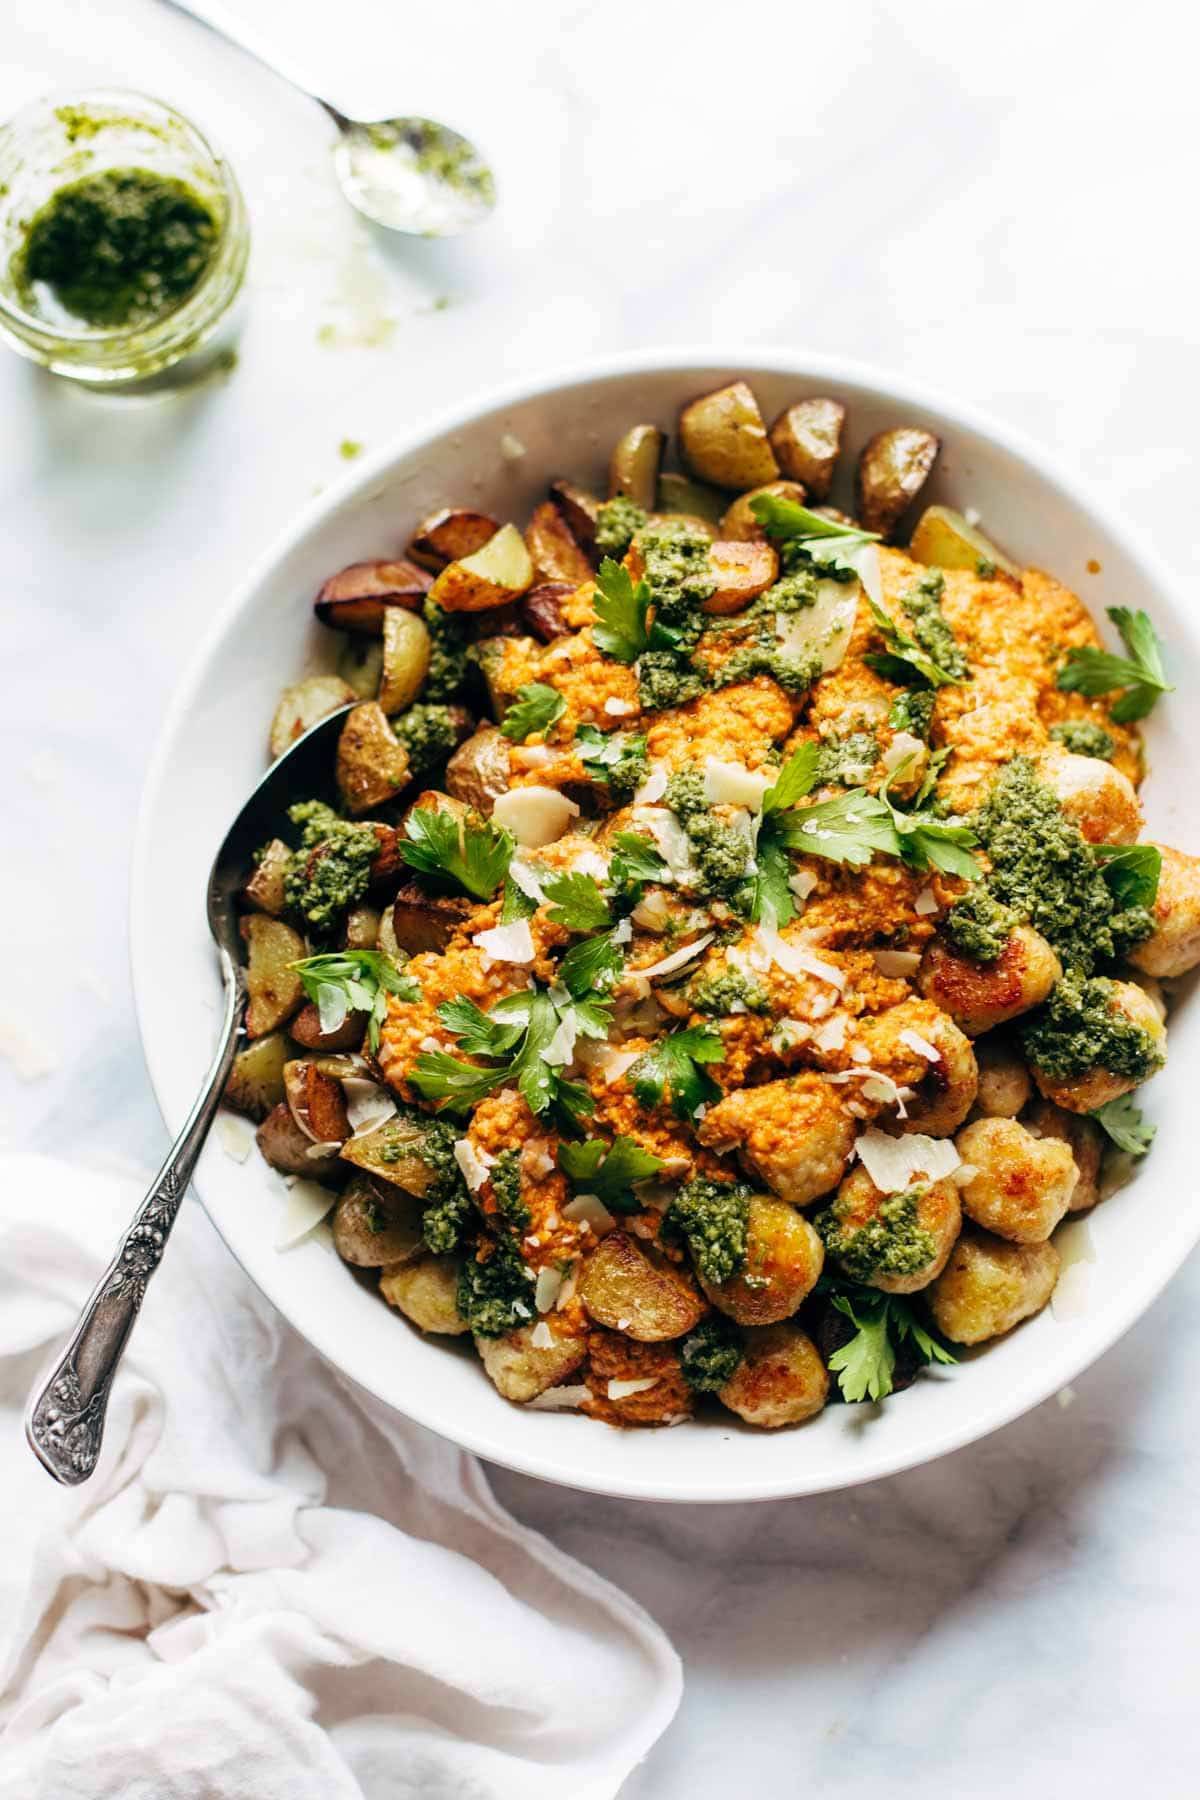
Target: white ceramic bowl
<point>213,749</point>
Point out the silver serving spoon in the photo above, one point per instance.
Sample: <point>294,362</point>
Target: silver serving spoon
<point>410,174</point>
<point>64,1421</point>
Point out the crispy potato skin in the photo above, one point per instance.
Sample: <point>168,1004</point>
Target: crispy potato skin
<point>1022,1184</point>
<point>521,1372</point>
<point>637,1291</point>
<point>542,609</point>
<point>784,1257</point>
<point>1084,1093</point>
<point>1085,1140</point>
<point>358,598</point>
<point>303,704</point>
<point>264,892</point>
<point>273,986</point>
<point>944,539</point>
<point>807,439</point>
<point>613,1357</point>
<point>578,508</point>
<point>723,440</point>
<point>738,522</point>
<point>892,470</point>
<point>979,996</point>
<point>372,766</point>
<point>1005,1084</point>
<point>479,770</point>
<point>988,1286</point>
<point>634,465</point>
<point>795,1135</point>
<point>316,1101</point>
<point>409,1172</point>
<point>742,571</point>
<point>555,553</point>
<point>450,534</point>
<point>374,1225</point>
<point>499,572</point>
<point>780,1380</point>
<point>939,1212</point>
<point>1175,946</point>
<point>426,1291</point>
<point>407,649</point>
<point>286,1147</point>
<point>255,1084</point>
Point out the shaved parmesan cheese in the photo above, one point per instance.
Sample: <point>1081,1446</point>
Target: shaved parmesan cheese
<point>903,746</point>
<point>921,1045</point>
<point>567,1292</point>
<point>534,815</point>
<point>653,911</point>
<point>621,1390</point>
<point>512,943</point>
<point>541,1337</point>
<point>926,903</point>
<point>864,559</point>
<point>831,1035</point>
<point>531,756</point>
<point>671,840</point>
<point>538,1158</point>
<point>306,1205</point>
<point>590,862</point>
<point>733,784</point>
<point>618,709</point>
<point>802,883</point>
<point>474,1169</point>
<point>654,786</point>
<point>895,1163</point>
<point>547,1289</point>
<point>590,1210</point>
<point>860,1054</point>
<point>561,1048</point>
<point>367,1104</point>
<point>897,964</point>
<point>824,627</point>
<point>526,878</point>
<point>875,1086</point>
<point>678,958</point>
<point>788,1033</point>
<point>511,448</point>
<point>235,1135</point>
<point>556,1399</point>
<point>622,932</point>
<point>611,1063</point>
<point>794,959</point>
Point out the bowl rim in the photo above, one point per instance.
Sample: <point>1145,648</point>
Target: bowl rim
<point>1146,1283</point>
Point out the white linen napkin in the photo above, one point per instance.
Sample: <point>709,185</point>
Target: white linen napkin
<point>273,1588</point>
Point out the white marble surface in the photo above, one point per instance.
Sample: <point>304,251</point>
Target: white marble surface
<point>994,198</point>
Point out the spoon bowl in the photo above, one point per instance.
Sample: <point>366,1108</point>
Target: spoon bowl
<point>413,175</point>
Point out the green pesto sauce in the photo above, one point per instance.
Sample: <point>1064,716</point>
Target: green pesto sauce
<point>1043,869</point>
<point>720,852</point>
<point>716,995</point>
<point>847,761</point>
<point>506,1185</point>
<point>429,734</point>
<point>497,1295</point>
<point>618,759</point>
<point>912,710</point>
<point>709,1356</point>
<point>666,679</point>
<point>119,248</point>
<point>1079,1028</point>
<point>320,888</point>
<point>449,656</point>
<point>617,524</point>
<point>892,1243</point>
<point>923,605</point>
<point>1084,738</point>
<point>713,1219</point>
<point>677,571</point>
<point>979,925</point>
<point>795,672</point>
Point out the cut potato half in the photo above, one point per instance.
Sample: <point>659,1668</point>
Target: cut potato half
<point>501,571</point>
<point>723,439</point>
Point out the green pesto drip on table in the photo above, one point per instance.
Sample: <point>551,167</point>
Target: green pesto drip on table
<point>890,1243</point>
<point>119,248</point>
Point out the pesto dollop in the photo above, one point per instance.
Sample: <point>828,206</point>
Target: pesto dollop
<point>980,925</point>
<point>1083,738</point>
<point>449,655</point>
<point>923,605</point>
<point>429,734</point>
<point>1082,1027</point>
<point>912,710</point>
<point>617,524</point>
<point>890,1243</point>
<point>713,1217</point>
<point>709,1355</point>
<point>330,871</point>
<point>495,1296</point>
<point>720,851</point>
<point>717,995</point>
<point>119,248</point>
<point>848,761</point>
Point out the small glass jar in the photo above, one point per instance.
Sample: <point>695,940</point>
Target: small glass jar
<point>66,137</point>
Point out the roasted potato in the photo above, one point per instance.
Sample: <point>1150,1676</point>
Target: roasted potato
<point>988,1286</point>
<point>407,649</point>
<point>680,494</point>
<point>374,1224</point>
<point>981,995</point>
<point>264,892</point>
<point>742,572</point>
<point>866,1245</point>
<point>780,1380</point>
<point>723,440</point>
<point>739,522</point>
<point>496,666</point>
<point>423,921</point>
<point>1175,945</point>
<point>426,1291</point>
<point>255,1082</point>
<point>1085,1140</point>
<point>450,534</point>
<point>358,598</point>
<point>305,1028</point>
<point>478,772</point>
<point>520,1370</point>
<point>360,665</point>
<point>1084,1093</point>
<point>289,1149</point>
<point>316,1102</point>
<point>1005,1084</point>
<point>1020,1185</point>
<point>784,1257</point>
<point>500,572</point>
<point>372,766</point>
<point>579,510</point>
<point>272,984</point>
<point>555,553</point>
<point>301,705</point>
<point>945,540</point>
<point>360,931</point>
<point>892,470</point>
<point>542,609</point>
<point>807,439</point>
<point>634,465</point>
<point>633,1289</point>
<point>401,1153</point>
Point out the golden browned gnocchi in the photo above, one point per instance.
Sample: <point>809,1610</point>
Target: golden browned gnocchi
<point>981,995</point>
<point>990,1285</point>
<point>783,1259</point>
<point>1005,1084</point>
<point>1174,946</point>
<point>780,1379</point>
<point>895,1242</point>
<point>1019,1186</point>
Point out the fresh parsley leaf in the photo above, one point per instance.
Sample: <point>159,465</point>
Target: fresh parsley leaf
<point>456,1086</point>
<point>346,981</point>
<point>797,777</point>
<point>850,828</point>
<point>1131,871</point>
<point>590,966</point>
<point>866,1364</point>
<point>635,858</point>
<point>475,854</point>
<point>771,900</point>
<point>1140,673</point>
<point>480,1033</point>
<point>905,1324</point>
<point>535,708</point>
<point>927,842</point>
<point>609,1170</point>
<point>620,605</point>
<point>534,1076</point>
<point>1125,1125</point>
<point>904,657</point>
<point>825,541</point>
<point>516,904</point>
<point>578,903</point>
<point>673,1068</point>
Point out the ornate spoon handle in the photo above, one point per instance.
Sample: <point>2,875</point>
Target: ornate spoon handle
<point>65,1418</point>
